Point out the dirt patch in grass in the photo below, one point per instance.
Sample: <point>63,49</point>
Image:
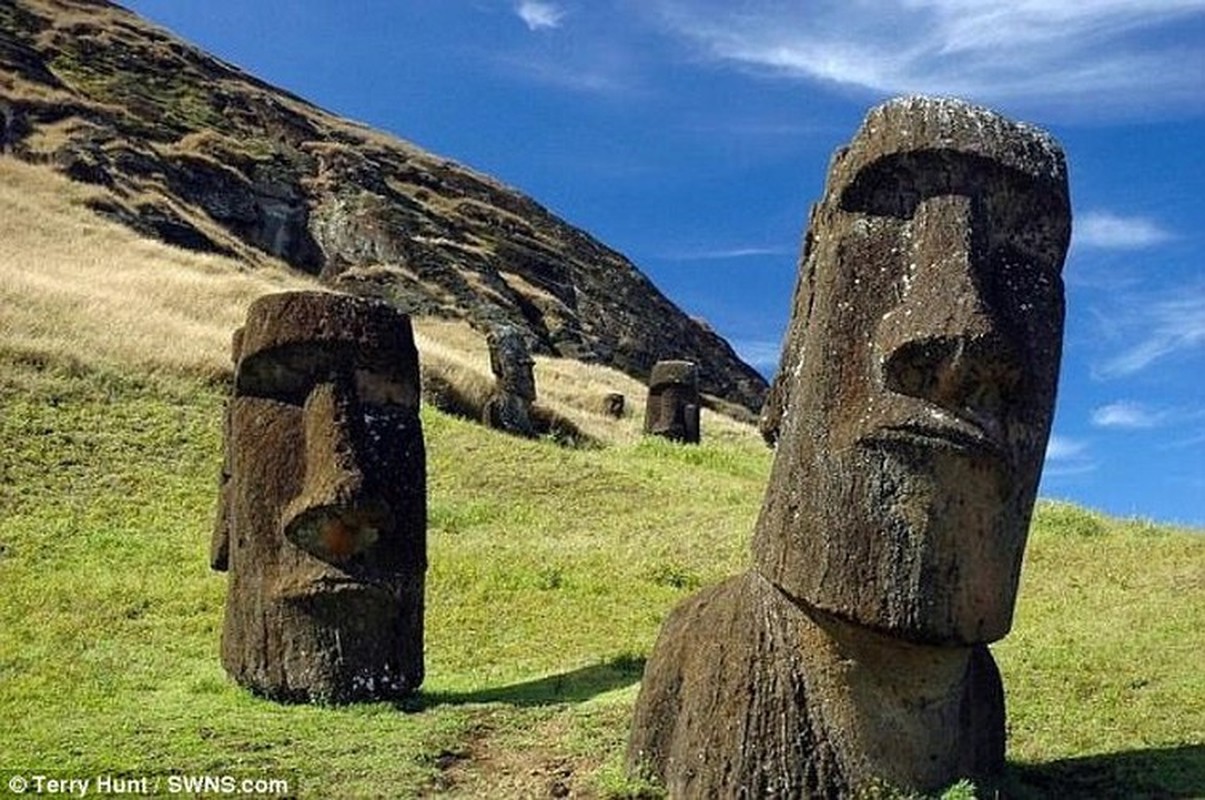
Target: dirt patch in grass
<point>491,763</point>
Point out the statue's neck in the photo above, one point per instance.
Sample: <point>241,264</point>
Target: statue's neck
<point>898,707</point>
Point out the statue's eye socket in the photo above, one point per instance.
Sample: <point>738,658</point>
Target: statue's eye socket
<point>379,388</point>
<point>289,373</point>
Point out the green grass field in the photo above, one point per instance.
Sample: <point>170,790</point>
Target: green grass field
<point>551,570</point>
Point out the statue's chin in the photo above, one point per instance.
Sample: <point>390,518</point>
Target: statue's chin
<point>938,538</point>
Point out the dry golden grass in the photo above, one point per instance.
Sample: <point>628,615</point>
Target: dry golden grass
<point>80,289</point>
<point>454,352</point>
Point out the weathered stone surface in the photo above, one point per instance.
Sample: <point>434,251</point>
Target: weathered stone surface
<point>508,407</point>
<point>911,414</point>
<point>919,373</point>
<point>321,520</point>
<point>212,159</point>
<point>749,694</point>
<point>672,408</point>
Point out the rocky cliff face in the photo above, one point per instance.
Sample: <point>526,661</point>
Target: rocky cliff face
<point>196,152</point>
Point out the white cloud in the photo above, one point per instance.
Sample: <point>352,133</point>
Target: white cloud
<point>1160,329</point>
<point>728,253</point>
<point>1127,415</point>
<point>540,15</point>
<point>1060,448</point>
<point>761,354</point>
<point>1109,231</point>
<point>588,78</point>
<point>1119,53</point>
<point>1066,457</point>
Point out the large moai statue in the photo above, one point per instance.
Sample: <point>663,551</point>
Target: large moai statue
<point>508,407</point>
<point>672,409</point>
<point>322,515</point>
<point>916,395</point>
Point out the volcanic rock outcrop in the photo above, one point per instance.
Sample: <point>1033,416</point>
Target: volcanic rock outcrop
<point>911,411</point>
<point>191,150</point>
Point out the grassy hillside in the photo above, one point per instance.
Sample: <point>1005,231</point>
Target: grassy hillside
<point>551,568</point>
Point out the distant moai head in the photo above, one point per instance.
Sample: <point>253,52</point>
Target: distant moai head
<point>917,386</point>
<point>508,407</point>
<point>322,516</point>
<point>672,410</point>
<point>511,363</point>
<point>613,404</point>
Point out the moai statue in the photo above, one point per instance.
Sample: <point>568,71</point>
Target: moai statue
<point>322,515</point>
<point>613,404</point>
<point>672,410</point>
<point>509,406</point>
<point>917,389</point>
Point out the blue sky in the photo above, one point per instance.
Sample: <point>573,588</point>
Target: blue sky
<point>692,135</point>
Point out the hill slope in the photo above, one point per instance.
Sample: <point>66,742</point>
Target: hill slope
<point>551,568</point>
<point>196,152</point>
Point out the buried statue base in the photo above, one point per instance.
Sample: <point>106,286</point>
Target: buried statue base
<point>748,695</point>
<point>911,412</point>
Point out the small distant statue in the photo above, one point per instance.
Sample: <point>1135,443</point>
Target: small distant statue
<point>913,405</point>
<point>613,404</point>
<point>672,410</point>
<point>322,513</point>
<point>509,405</point>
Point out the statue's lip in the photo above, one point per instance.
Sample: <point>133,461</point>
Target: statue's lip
<point>945,431</point>
<point>331,585</point>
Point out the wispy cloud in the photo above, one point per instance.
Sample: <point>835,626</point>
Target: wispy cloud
<point>1066,457</point>
<point>539,15</point>
<point>1061,448</point>
<point>1108,231</point>
<point>761,354</point>
<point>597,78</point>
<point>1159,329</point>
<point>727,253</point>
<point>588,57</point>
<point>1122,52</point>
<point>1127,415</point>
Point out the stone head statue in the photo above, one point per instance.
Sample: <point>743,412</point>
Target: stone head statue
<point>322,515</point>
<point>511,363</point>
<point>911,412</point>
<point>508,408</point>
<point>672,410</point>
<point>918,380</point>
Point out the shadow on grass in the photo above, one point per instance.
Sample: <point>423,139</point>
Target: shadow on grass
<point>1168,773</point>
<point>568,687</point>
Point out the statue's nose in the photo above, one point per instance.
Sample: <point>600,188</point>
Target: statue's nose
<point>336,515</point>
<point>943,343</point>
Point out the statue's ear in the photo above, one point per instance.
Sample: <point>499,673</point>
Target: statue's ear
<point>779,396</point>
<point>219,545</point>
<point>236,346</point>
